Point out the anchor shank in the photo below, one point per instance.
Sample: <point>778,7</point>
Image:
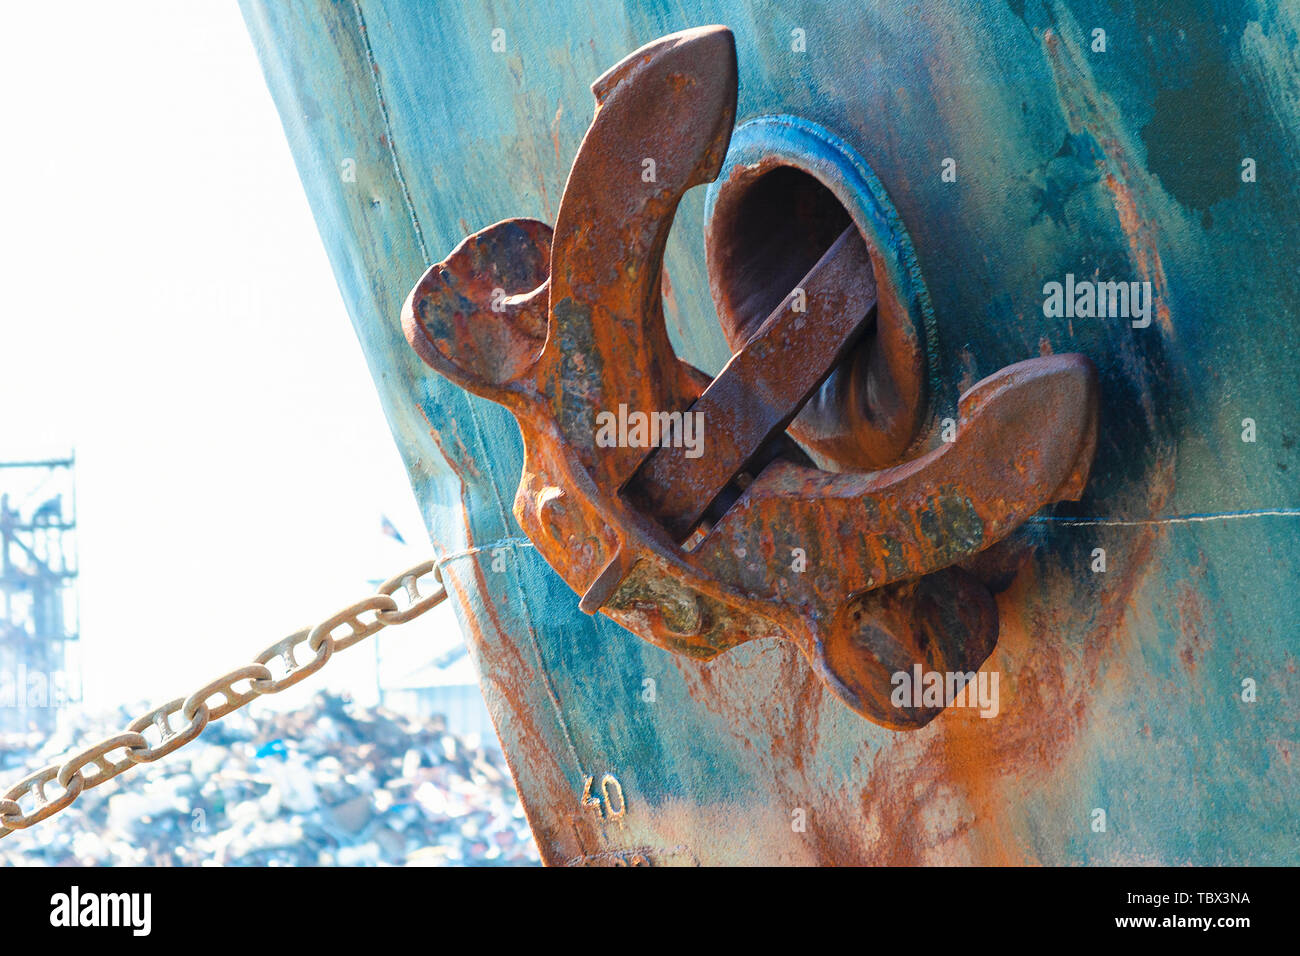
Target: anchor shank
<point>762,388</point>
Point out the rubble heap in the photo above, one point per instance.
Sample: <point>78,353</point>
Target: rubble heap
<point>332,784</point>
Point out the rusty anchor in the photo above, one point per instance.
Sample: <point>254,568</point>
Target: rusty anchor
<point>693,552</point>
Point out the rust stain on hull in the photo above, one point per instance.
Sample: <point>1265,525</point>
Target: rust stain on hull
<point>1086,108</point>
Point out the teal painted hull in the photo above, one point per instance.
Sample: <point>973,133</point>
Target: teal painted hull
<point>1121,690</point>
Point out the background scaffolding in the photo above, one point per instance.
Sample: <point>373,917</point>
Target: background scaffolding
<point>39,626</point>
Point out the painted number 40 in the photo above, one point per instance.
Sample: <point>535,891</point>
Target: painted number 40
<point>611,804</point>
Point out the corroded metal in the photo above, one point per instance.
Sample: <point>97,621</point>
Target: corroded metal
<point>560,341</point>
<point>772,209</point>
<point>766,383</point>
<point>93,765</point>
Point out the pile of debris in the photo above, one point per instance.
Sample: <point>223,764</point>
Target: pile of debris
<point>332,784</point>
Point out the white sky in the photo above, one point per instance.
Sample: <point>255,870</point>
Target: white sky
<point>167,309</point>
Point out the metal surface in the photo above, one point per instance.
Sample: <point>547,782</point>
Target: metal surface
<point>609,520</point>
<point>152,736</point>
<point>788,183</point>
<point>767,382</point>
<point>1121,689</point>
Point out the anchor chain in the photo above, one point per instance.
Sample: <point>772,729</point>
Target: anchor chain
<point>152,736</point>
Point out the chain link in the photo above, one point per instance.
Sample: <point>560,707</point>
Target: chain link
<point>73,777</point>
